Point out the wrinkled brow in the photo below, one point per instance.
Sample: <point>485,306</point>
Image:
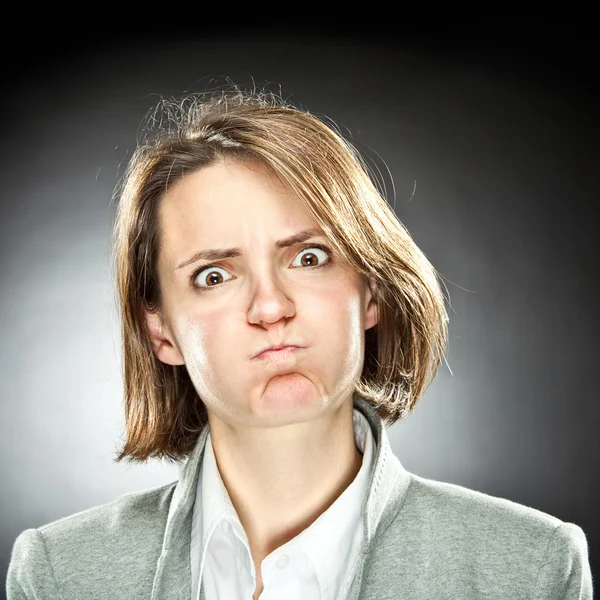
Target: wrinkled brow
<point>222,253</point>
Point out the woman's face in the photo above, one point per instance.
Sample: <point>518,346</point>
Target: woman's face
<point>218,314</point>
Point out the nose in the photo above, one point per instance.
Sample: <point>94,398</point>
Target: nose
<point>270,301</point>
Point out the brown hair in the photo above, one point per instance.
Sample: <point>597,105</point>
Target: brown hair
<point>164,414</point>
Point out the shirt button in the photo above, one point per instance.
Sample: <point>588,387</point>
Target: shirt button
<point>283,562</point>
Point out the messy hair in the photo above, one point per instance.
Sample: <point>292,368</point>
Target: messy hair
<point>336,185</point>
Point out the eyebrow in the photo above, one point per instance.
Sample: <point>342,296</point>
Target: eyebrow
<point>222,253</point>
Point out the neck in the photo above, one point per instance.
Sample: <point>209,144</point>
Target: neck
<point>281,479</point>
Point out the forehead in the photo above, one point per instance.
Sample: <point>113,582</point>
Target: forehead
<point>228,203</point>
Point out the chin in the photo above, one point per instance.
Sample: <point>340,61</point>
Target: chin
<point>290,396</point>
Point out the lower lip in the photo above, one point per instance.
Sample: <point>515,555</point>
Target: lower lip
<point>275,355</point>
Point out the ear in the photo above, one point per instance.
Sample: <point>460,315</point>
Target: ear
<point>371,312</point>
<point>163,344</point>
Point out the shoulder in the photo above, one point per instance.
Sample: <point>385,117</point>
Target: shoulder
<point>484,521</point>
<point>122,534</point>
<point>118,522</point>
<point>448,505</point>
<point>461,539</point>
<point>445,515</point>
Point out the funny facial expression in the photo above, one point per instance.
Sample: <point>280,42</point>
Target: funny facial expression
<point>221,309</point>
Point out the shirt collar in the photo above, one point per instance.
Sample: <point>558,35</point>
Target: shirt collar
<point>387,487</point>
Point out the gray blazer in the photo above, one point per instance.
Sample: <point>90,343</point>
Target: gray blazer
<point>424,539</point>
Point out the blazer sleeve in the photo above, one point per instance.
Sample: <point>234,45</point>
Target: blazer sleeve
<point>565,571</point>
<point>30,574</point>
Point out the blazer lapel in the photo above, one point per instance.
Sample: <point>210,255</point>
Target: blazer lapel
<point>388,485</point>
<point>173,578</point>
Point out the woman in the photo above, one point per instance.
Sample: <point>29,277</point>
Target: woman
<point>276,316</point>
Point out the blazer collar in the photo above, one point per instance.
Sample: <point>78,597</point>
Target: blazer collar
<point>388,485</point>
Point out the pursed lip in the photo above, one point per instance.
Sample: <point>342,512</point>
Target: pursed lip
<point>277,347</point>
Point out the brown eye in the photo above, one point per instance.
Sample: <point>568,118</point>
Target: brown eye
<point>214,278</point>
<point>314,256</point>
<point>308,260</point>
<point>211,278</point>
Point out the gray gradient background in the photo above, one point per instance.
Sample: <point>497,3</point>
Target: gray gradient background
<point>503,149</point>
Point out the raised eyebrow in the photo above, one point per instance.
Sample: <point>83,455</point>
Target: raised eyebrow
<point>222,253</point>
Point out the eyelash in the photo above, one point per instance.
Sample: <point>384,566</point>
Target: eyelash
<point>199,270</point>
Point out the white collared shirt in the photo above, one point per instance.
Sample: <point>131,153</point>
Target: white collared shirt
<point>318,564</point>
